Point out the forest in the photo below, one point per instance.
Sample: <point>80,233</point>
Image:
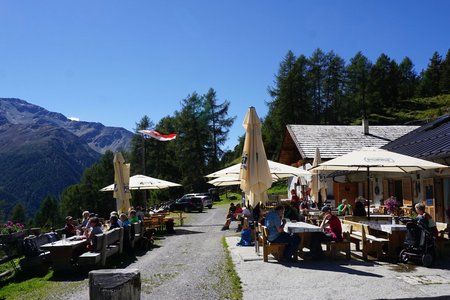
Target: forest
<point>320,89</point>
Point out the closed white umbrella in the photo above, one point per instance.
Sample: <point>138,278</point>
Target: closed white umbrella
<point>121,183</point>
<point>318,183</point>
<point>255,173</point>
<point>142,182</point>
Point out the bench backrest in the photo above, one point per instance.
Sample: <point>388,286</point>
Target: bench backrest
<point>357,227</point>
<point>137,228</point>
<point>97,242</point>
<point>113,236</point>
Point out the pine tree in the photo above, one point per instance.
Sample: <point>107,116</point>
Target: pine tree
<point>431,77</point>
<point>219,126</point>
<point>18,214</point>
<point>379,85</point>
<point>317,68</point>
<point>48,213</point>
<point>444,84</point>
<point>192,141</point>
<point>333,86</point>
<point>408,79</point>
<point>356,104</point>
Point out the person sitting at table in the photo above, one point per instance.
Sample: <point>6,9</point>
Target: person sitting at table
<point>275,225</point>
<point>114,213</point>
<point>132,216</point>
<point>426,219</point>
<point>231,216</point>
<point>85,219</point>
<point>139,213</point>
<point>69,229</point>
<point>124,219</point>
<point>291,212</point>
<point>360,210</point>
<point>332,231</point>
<point>94,229</point>
<point>344,208</point>
<point>113,222</point>
<point>294,198</point>
<point>304,206</point>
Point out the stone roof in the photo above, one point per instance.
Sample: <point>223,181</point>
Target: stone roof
<point>337,140</point>
<point>430,141</point>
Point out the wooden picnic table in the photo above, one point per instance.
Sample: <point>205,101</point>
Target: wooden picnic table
<point>62,252</point>
<point>304,231</point>
<point>395,233</point>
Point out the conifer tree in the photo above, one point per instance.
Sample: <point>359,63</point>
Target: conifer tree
<point>444,84</point>
<point>408,79</point>
<point>219,126</point>
<point>357,87</point>
<point>431,77</point>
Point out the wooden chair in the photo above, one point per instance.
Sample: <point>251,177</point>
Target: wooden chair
<point>276,249</point>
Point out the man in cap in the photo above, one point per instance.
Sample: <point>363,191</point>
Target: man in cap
<point>69,228</point>
<point>332,231</point>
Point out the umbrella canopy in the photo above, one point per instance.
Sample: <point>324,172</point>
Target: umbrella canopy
<point>371,159</point>
<point>142,182</point>
<point>378,160</point>
<point>277,170</point>
<point>255,173</point>
<point>121,183</point>
<point>228,180</point>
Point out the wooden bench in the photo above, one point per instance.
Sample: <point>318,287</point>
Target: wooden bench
<point>105,245</point>
<point>333,247</point>
<point>276,249</point>
<point>359,234</point>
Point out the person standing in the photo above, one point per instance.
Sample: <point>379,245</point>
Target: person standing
<point>275,225</point>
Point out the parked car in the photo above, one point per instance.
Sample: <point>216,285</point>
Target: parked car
<point>206,199</point>
<point>187,204</point>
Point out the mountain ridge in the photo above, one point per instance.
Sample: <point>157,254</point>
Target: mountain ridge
<point>44,152</point>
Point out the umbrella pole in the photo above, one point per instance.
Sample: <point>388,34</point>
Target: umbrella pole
<point>368,194</point>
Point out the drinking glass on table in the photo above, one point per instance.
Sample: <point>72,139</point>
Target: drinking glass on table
<point>63,238</point>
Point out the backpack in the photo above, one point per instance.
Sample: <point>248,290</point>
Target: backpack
<point>30,247</point>
<point>246,237</point>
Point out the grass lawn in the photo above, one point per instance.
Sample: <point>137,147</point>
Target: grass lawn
<point>43,286</point>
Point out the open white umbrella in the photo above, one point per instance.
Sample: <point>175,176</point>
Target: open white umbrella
<point>277,170</point>
<point>142,182</point>
<point>121,183</point>
<point>255,173</point>
<point>228,180</point>
<point>371,159</point>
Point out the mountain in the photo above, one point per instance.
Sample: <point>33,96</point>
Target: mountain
<point>43,152</point>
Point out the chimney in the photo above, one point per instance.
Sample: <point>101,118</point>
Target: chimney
<point>365,125</point>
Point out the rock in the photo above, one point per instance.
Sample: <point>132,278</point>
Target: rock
<point>114,284</point>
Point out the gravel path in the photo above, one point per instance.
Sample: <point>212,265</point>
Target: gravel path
<point>187,265</point>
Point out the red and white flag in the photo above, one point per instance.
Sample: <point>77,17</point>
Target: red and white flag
<point>156,135</point>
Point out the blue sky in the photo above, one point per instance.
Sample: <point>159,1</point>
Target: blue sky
<point>115,61</point>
